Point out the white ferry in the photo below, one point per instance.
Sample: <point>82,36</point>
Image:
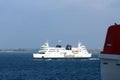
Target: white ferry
<point>59,52</point>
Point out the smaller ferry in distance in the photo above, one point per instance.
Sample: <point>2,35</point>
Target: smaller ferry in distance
<point>59,52</point>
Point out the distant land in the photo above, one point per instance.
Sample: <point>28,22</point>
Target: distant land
<point>19,50</point>
<point>94,50</point>
<point>36,50</point>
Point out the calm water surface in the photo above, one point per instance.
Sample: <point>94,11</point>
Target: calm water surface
<point>21,66</point>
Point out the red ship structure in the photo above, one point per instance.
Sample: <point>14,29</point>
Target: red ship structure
<point>110,56</point>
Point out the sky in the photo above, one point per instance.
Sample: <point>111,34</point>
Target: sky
<point>29,23</point>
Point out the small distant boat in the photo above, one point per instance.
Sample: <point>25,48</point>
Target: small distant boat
<point>59,52</point>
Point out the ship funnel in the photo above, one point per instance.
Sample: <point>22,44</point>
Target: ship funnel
<point>112,42</point>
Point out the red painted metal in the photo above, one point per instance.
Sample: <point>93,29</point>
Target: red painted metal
<point>112,42</point>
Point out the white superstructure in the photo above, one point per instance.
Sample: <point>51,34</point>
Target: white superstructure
<point>59,52</point>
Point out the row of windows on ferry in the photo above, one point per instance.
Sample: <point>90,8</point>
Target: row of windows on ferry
<point>55,50</point>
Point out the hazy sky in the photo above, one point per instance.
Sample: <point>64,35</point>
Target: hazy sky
<point>29,23</point>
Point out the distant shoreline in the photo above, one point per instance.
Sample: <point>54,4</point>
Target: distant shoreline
<point>18,50</point>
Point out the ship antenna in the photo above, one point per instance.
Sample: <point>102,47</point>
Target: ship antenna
<point>115,23</point>
<point>59,41</point>
<point>47,41</point>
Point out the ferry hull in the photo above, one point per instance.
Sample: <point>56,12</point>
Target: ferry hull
<point>110,66</point>
<point>110,69</point>
<point>39,56</point>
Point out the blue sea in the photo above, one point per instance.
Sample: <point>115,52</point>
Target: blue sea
<point>22,66</point>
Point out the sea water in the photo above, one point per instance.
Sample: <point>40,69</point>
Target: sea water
<point>22,66</point>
